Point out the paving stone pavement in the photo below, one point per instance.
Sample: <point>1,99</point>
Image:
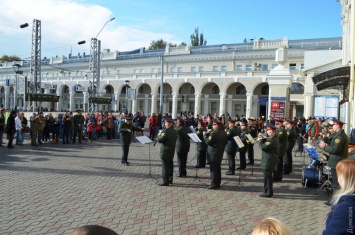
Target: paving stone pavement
<point>54,188</point>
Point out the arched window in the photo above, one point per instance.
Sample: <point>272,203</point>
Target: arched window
<point>192,90</point>
<point>240,90</point>
<point>297,88</point>
<point>141,90</point>
<point>265,90</point>
<point>215,90</point>
<point>66,89</point>
<point>108,90</point>
<point>180,91</point>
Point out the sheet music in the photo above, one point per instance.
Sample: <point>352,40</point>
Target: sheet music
<point>192,129</point>
<point>250,138</point>
<point>238,141</point>
<point>194,137</point>
<point>144,139</point>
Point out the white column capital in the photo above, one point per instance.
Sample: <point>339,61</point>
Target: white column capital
<point>197,94</point>
<point>248,94</point>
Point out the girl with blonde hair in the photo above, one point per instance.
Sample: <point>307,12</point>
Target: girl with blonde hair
<point>271,226</point>
<point>341,219</point>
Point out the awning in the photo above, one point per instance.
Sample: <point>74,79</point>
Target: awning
<point>335,78</point>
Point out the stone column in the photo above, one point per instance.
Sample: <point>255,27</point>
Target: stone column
<point>71,101</point>
<point>175,101</point>
<point>249,104</point>
<point>222,100</point>
<point>255,111</point>
<point>308,109</point>
<point>206,105</point>
<point>7,98</point>
<point>230,105</point>
<point>146,105</point>
<point>154,103</point>
<point>197,104</point>
<point>85,101</point>
<point>116,106</point>
<point>60,101</point>
<point>134,106</point>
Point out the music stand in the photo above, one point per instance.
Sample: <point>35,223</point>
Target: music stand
<point>145,140</point>
<point>194,137</point>
<point>252,141</point>
<point>240,145</point>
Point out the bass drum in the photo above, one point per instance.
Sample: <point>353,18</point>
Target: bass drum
<point>311,177</point>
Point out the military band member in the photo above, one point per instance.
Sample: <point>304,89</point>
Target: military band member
<point>182,146</point>
<point>270,151</point>
<point>201,146</point>
<point>243,151</point>
<point>253,131</point>
<point>231,147</point>
<point>167,138</point>
<point>282,135</point>
<point>291,140</point>
<point>337,149</point>
<point>216,142</point>
<point>126,129</point>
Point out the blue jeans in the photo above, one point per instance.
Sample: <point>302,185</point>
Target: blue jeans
<point>19,137</point>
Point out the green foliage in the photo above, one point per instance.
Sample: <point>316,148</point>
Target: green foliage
<point>158,44</point>
<point>197,39</point>
<point>8,58</point>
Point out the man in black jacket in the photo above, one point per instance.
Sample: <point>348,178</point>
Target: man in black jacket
<point>11,129</point>
<point>126,129</point>
<point>216,142</point>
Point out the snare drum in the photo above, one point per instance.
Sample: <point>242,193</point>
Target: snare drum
<point>311,177</point>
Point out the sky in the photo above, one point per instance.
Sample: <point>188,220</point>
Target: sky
<point>138,22</point>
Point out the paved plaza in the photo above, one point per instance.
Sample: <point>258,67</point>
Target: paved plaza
<point>54,188</point>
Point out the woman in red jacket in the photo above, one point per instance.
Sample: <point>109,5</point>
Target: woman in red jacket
<point>153,120</point>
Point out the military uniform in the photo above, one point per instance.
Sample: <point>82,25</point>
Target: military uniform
<point>243,151</point>
<point>126,139</point>
<point>282,135</point>
<point>201,148</point>
<point>231,148</point>
<point>253,131</point>
<point>291,140</point>
<point>269,159</point>
<point>40,127</point>
<point>34,129</point>
<point>167,138</point>
<point>182,148</point>
<point>216,142</point>
<point>338,150</point>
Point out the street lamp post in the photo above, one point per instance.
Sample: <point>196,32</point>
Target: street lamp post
<point>126,82</point>
<point>17,71</point>
<point>95,51</point>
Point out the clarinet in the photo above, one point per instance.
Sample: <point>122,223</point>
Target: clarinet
<point>156,141</point>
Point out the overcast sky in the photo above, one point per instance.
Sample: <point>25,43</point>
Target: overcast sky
<point>138,22</point>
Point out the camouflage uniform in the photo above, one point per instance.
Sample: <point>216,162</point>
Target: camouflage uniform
<point>40,127</point>
<point>34,129</point>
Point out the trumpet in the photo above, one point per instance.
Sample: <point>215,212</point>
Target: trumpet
<point>254,140</point>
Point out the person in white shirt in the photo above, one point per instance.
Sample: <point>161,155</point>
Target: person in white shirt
<point>18,126</point>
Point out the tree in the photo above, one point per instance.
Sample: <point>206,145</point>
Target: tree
<point>9,58</point>
<point>197,39</point>
<point>158,44</point>
<point>161,44</point>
